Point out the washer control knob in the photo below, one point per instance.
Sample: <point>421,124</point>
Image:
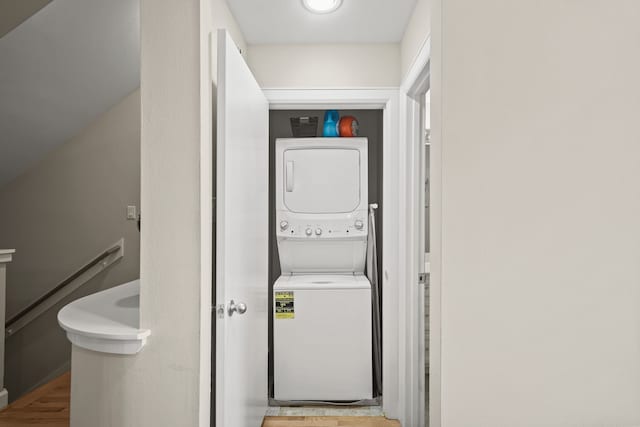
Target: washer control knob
<point>318,231</point>
<point>284,225</point>
<point>308,232</point>
<point>359,224</point>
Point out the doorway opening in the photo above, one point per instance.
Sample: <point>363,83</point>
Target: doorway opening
<point>421,245</point>
<point>240,351</point>
<point>371,127</point>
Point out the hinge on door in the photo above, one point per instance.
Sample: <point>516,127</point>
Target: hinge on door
<point>422,278</point>
<point>220,311</point>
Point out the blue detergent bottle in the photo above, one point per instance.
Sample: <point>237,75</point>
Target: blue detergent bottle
<point>330,128</point>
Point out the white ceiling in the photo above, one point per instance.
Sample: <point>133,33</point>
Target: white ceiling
<point>59,70</point>
<point>356,21</point>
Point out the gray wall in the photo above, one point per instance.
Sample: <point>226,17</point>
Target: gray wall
<point>60,214</point>
<point>14,13</point>
<point>279,127</point>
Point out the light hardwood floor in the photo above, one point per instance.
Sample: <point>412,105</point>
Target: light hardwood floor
<point>49,406</point>
<point>45,406</point>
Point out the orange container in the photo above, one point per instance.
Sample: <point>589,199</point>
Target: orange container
<point>348,126</point>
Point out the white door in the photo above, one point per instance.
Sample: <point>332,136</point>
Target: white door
<point>241,242</point>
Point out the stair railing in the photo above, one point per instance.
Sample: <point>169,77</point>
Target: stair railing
<point>81,276</point>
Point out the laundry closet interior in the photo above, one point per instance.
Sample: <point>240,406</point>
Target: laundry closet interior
<point>324,306</point>
<point>330,357</point>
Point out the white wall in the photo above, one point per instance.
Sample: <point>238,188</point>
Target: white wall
<point>325,65</point>
<point>536,122</point>
<point>417,31</point>
<point>341,65</point>
<point>159,386</point>
<point>59,215</point>
<point>168,383</point>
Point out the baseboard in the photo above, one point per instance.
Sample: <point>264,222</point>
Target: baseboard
<point>376,401</point>
<point>4,398</point>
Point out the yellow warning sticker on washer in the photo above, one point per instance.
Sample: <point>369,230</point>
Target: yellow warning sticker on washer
<point>284,305</point>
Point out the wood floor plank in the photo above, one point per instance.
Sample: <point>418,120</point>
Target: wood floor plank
<point>63,382</point>
<point>49,406</point>
<point>46,406</point>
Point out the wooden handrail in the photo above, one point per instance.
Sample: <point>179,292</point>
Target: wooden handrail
<point>62,284</point>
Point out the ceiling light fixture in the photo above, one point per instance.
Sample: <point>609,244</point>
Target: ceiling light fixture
<point>322,6</point>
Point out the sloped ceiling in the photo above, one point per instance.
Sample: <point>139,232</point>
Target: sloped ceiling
<point>59,70</point>
<point>15,12</point>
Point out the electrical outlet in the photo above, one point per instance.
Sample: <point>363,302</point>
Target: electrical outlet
<point>132,212</point>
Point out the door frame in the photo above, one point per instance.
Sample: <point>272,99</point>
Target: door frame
<point>386,99</point>
<point>412,90</point>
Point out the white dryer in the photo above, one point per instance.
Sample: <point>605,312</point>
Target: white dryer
<point>322,301</point>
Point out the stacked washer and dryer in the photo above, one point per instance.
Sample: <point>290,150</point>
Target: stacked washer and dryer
<point>322,301</point>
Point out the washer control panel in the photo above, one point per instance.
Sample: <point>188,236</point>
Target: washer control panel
<point>291,227</point>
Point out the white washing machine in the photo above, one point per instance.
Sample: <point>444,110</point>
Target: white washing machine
<point>322,301</point>
<point>323,351</point>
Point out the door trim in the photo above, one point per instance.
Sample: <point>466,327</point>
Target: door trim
<point>415,84</point>
<point>386,99</point>
<point>206,221</point>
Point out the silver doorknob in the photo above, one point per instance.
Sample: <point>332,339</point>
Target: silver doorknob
<point>284,225</point>
<point>240,308</point>
<point>359,224</point>
<point>308,232</point>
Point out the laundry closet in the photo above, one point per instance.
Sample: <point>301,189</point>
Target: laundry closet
<point>309,245</point>
<point>325,249</point>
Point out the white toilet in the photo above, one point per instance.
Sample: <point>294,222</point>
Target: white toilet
<point>322,301</point>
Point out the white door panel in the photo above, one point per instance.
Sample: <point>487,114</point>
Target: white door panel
<point>241,241</point>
